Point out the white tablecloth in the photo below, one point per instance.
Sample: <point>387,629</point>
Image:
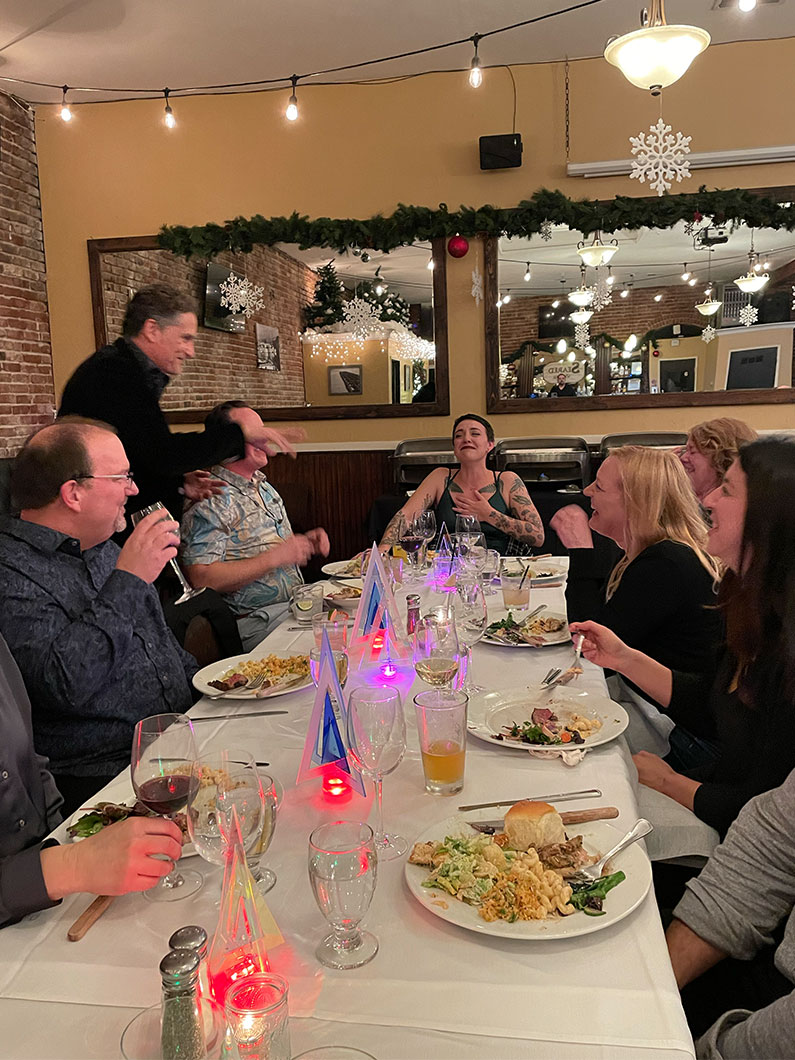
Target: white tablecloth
<point>433,989</point>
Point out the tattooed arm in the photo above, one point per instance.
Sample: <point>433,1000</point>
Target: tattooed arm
<point>524,522</point>
<point>425,496</point>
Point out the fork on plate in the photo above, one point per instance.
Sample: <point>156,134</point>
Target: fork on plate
<point>590,873</point>
<point>250,686</point>
<point>562,677</point>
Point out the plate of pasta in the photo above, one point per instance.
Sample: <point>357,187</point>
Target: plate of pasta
<point>473,883</point>
<point>282,674</point>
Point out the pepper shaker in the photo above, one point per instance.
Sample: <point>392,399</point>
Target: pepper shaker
<point>182,1032</point>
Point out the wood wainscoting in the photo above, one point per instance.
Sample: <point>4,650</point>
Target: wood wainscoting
<point>334,490</point>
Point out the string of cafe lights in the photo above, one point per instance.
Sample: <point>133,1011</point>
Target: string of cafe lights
<point>292,111</point>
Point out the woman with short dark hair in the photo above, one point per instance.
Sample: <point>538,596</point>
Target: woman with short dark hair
<point>500,503</point>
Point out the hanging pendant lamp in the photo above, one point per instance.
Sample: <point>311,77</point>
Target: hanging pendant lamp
<point>657,55</point>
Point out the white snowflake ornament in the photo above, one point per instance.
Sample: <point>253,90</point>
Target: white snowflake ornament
<point>477,285</point>
<point>749,315</point>
<point>361,317</point>
<point>239,295</point>
<point>582,336</point>
<point>602,292</point>
<point>793,296</point>
<point>545,231</point>
<point>708,334</point>
<point>660,157</point>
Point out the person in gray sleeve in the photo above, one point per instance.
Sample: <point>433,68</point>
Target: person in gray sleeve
<point>739,907</point>
<point>36,873</point>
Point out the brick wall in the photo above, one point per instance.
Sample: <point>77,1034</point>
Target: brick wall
<point>27,394</point>
<point>225,365</point>
<point>637,313</point>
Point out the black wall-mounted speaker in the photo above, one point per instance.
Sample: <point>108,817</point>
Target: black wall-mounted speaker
<point>501,152</point>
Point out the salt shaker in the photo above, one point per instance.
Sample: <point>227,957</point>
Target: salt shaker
<point>412,613</point>
<point>193,937</point>
<point>182,1032</point>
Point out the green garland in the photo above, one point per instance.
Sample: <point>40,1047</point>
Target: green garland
<point>603,337</point>
<point>409,224</point>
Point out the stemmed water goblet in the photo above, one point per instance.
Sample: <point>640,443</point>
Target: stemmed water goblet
<point>188,593</point>
<point>376,737</point>
<point>471,618</point>
<point>162,761</point>
<point>467,524</point>
<point>223,781</point>
<point>343,867</point>
<point>489,571</point>
<point>263,877</point>
<point>437,653</point>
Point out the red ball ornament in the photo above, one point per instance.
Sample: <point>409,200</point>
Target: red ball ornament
<point>457,246</point>
<point>655,353</point>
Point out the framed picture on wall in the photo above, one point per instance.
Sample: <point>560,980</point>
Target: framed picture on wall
<point>345,379</point>
<point>752,369</point>
<point>268,352</point>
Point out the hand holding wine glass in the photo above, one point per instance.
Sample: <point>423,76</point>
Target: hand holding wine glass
<point>377,742</point>
<point>154,535</point>
<point>162,760</point>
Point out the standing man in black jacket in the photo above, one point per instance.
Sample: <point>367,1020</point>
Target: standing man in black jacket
<point>122,384</point>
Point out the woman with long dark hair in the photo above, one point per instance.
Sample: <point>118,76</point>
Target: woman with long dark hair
<point>751,694</point>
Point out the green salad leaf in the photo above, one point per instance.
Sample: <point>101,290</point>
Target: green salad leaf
<point>588,897</point>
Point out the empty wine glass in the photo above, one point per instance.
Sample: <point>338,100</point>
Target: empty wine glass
<point>471,618</point>
<point>162,760</point>
<point>471,549</point>
<point>467,524</point>
<point>426,522</point>
<point>264,878</point>
<point>437,653</point>
<point>342,871</point>
<point>223,780</point>
<point>377,742</point>
<point>489,571</point>
<point>187,592</point>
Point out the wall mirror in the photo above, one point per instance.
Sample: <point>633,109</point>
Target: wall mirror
<point>389,359</point>
<point>696,314</point>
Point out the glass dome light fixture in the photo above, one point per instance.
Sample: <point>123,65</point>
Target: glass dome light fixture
<point>581,316</point>
<point>710,305</point>
<point>598,252</point>
<point>656,55</point>
<point>581,296</point>
<point>754,280</point>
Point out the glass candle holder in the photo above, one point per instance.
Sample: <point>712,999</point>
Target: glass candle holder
<point>257,1019</point>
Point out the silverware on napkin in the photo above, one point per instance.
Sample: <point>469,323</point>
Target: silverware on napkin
<point>588,793</point>
<point>242,714</point>
<point>601,813</point>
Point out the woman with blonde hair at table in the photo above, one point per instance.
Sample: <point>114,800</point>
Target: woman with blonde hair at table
<point>659,597</point>
<point>711,449</point>
<point>749,696</point>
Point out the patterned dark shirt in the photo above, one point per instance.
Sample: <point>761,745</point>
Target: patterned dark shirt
<point>92,644</point>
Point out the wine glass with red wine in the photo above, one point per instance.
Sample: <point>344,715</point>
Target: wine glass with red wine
<point>163,756</point>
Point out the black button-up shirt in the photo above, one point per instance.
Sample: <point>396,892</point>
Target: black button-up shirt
<point>92,644</point>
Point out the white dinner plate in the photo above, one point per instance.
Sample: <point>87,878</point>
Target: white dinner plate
<point>216,670</point>
<point>338,569</point>
<point>598,837</point>
<point>488,712</point>
<point>547,572</point>
<point>350,603</point>
<point>188,849</point>
<point>563,636</point>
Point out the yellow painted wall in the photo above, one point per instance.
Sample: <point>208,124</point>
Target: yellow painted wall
<point>371,356</point>
<point>115,171</point>
<point>688,347</point>
<point>751,339</point>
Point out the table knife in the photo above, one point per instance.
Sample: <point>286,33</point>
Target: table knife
<point>242,714</point>
<point>589,793</point>
<point>601,813</point>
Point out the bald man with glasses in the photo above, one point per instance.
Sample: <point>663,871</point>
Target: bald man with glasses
<point>79,614</point>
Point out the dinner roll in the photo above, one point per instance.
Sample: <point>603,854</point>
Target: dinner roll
<point>533,824</point>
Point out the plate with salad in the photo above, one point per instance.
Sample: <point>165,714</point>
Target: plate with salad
<point>526,718</point>
<point>90,819</point>
<point>468,879</point>
<point>514,631</point>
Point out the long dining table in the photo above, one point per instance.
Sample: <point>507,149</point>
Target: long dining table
<point>434,989</point>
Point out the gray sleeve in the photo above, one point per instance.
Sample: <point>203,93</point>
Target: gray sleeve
<point>747,887</point>
<point>741,1035</point>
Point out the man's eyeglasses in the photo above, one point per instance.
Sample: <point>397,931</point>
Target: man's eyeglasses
<point>127,476</point>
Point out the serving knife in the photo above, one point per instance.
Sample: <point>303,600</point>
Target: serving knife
<point>588,793</point>
<point>601,813</point>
